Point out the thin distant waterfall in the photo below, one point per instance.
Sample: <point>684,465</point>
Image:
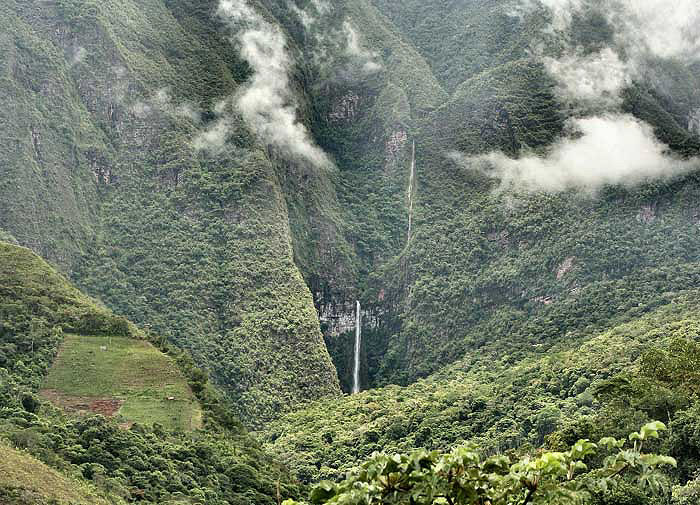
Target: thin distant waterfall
<point>358,346</point>
<point>411,182</point>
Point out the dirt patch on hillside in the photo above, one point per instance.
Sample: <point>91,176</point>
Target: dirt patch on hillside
<point>105,406</point>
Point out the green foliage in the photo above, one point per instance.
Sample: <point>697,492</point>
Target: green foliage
<point>525,396</point>
<point>688,494</point>
<point>147,462</point>
<point>6,237</point>
<point>26,481</point>
<point>464,477</point>
<point>678,367</point>
<point>104,181</point>
<point>150,465</point>
<point>36,305</point>
<point>508,319</point>
<point>470,47</point>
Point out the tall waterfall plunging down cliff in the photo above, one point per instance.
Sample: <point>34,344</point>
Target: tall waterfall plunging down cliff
<point>358,345</point>
<point>410,190</point>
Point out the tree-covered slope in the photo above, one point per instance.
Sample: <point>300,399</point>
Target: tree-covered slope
<point>194,242</point>
<point>460,39</point>
<point>133,165</point>
<point>138,455</point>
<point>47,189</point>
<point>25,480</point>
<point>506,399</point>
<point>477,256</point>
<point>480,255</point>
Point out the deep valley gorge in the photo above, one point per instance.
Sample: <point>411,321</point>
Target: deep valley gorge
<point>267,252</point>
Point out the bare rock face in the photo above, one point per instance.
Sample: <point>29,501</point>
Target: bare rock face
<point>101,169</point>
<point>694,122</point>
<point>396,143</point>
<point>544,300</point>
<point>565,267</point>
<point>339,318</point>
<point>345,108</point>
<point>647,214</point>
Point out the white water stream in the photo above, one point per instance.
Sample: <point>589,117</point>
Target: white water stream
<point>411,182</point>
<point>358,347</point>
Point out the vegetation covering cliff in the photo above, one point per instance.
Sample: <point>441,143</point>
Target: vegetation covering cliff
<point>139,454</point>
<point>104,101</point>
<point>233,176</point>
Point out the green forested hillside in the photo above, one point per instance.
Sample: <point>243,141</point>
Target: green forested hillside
<point>196,244</point>
<point>502,399</point>
<point>476,36</point>
<point>233,176</point>
<point>140,454</point>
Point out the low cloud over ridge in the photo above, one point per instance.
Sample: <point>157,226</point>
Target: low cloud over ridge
<point>267,103</point>
<point>608,150</point>
<point>609,147</point>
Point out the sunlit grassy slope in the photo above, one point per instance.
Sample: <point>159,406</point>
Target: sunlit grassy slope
<point>124,377</point>
<point>24,480</point>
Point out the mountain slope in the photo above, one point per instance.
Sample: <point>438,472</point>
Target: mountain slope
<point>460,39</point>
<point>26,480</point>
<point>195,243</point>
<point>122,377</point>
<point>502,400</point>
<point>140,175</point>
<point>142,454</point>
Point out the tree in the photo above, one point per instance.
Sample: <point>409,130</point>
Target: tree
<point>462,477</point>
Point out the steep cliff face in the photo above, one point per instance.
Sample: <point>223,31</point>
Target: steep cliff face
<point>132,164</point>
<point>107,102</point>
<point>120,425</point>
<point>483,261</point>
<point>47,189</point>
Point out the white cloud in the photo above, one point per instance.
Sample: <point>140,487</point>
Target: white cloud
<point>213,139</point>
<point>267,104</point>
<point>365,59</point>
<point>598,77</point>
<point>163,102</point>
<point>659,27</point>
<point>644,29</point>
<point>606,150</point>
<point>562,11</point>
<point>306,18</point>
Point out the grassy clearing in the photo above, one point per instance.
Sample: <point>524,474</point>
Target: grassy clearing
<point>25,480</point>
<point>124,377</point>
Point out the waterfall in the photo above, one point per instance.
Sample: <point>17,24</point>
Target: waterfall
<point>358,346</point>
<point>411,182</point>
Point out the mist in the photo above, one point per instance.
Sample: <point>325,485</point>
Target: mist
<point>610,150</point>
<point>644,30</point>
<point>603,146</point>
<point>363,58</point>
<point>594,79</point>
<point>266,103</point>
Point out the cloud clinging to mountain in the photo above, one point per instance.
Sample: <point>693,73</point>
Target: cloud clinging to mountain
<point>266,103</point>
